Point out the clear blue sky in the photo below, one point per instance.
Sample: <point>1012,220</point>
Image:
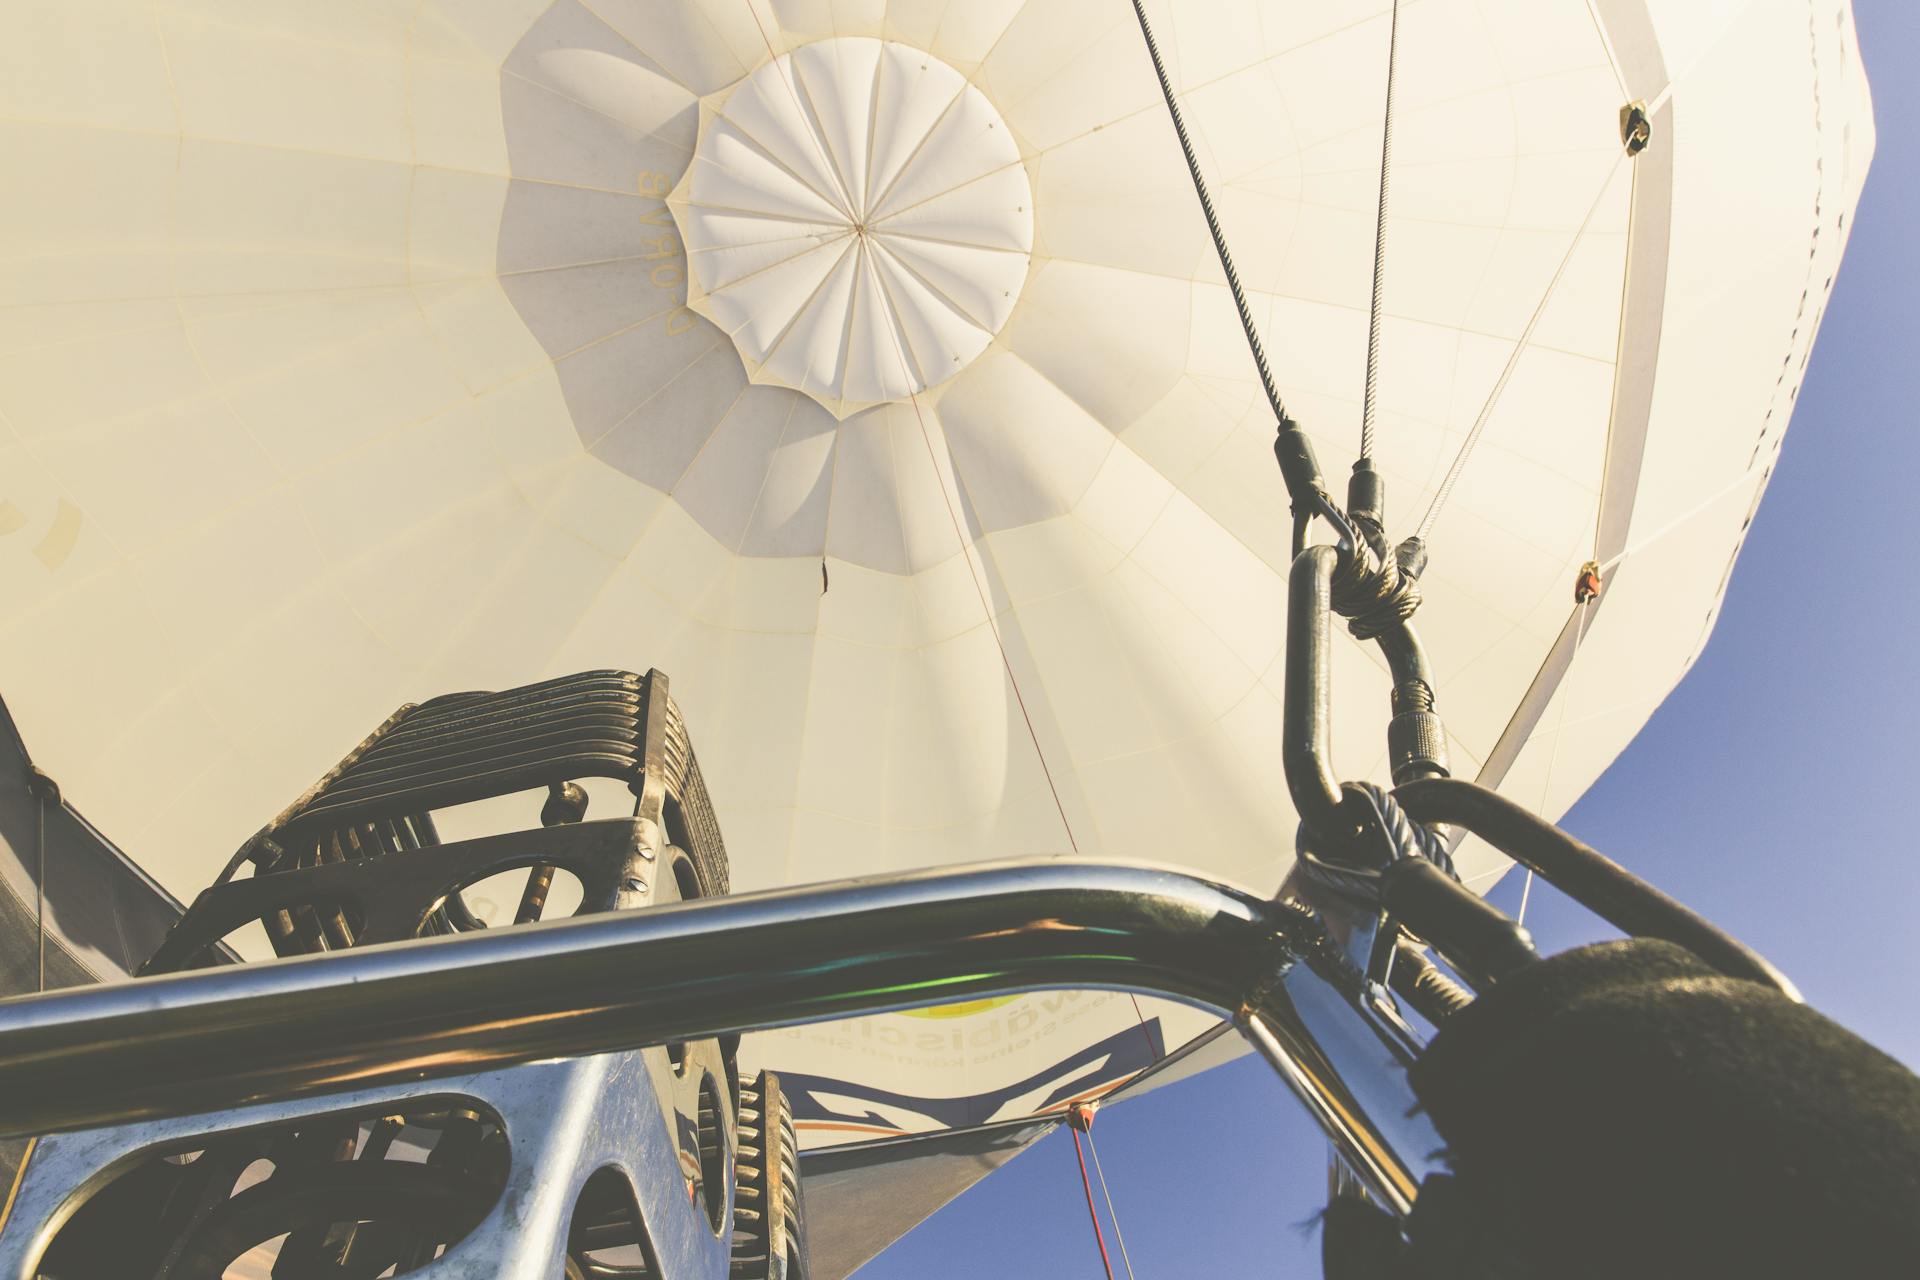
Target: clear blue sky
<point>1775,791</point>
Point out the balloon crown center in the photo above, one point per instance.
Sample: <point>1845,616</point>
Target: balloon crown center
<point>857,219</point>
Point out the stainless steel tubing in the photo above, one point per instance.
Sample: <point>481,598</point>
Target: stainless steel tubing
<point>308,1026</point>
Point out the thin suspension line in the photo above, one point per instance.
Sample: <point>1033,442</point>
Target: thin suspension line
<point>1369,406</point>
<point>1106,1195</point>
<point>1559,731</point>
<point>1513,361</point>
<point>1213,220</point>
<point>993,627</point>
<point>1093,1215</point>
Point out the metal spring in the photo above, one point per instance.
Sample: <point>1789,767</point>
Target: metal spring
<point>1434,995</point>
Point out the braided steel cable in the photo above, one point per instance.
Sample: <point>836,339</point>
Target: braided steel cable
<point>1093,1147</point>
<point>1369,405</point>
<point>1213,219</point>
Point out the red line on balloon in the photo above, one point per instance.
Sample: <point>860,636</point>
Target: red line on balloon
<point>1093,1214</point>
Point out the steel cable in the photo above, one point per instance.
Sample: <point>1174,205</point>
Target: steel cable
<point>1093,1214</point>
<point>1369,405</point>
<point>1213,220</point>
<point>1114,1218</point>
<point>1459,464</point>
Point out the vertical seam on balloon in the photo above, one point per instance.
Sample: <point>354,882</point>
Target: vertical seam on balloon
<point>1521,345</point>
<point>746,384</point>
<point>786,330</point>
<point>810,117</point>
<point>652,135</point>
<point>873,132</point>
<point>877,200</point>
<point>1436,469</point>
<point>768,154</point>
<point>980,64</point>
<point>986,605</point>
<point>909,364</point>
<point>718,342</point>
<point>993,626</point>
<point>753,509</point>
<point>882,428</point>
<point>851,321</point>
<point>718,290</point>
<point>940,25</point>
<point>940,295</point>
<point>1613,55</point>
<point>1019,161</point>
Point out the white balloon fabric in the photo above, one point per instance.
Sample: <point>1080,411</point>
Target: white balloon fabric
<point>857,218</point>
<point>865,366</point>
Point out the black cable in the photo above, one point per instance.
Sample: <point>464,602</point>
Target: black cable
<point>1213,221</point>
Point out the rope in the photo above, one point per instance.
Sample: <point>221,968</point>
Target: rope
<point>1213,220</point>
<point>1093,1215</point>
<point>1369,405</point>
<point>1106,1195</point>
<point>1513,360</point>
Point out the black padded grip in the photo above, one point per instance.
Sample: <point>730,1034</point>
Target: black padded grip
<point>1624,1110</point>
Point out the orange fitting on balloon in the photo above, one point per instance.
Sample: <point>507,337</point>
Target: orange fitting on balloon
<point>1587,586</point>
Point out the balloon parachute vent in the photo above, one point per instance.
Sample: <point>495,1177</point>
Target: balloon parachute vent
<point>858,218</point>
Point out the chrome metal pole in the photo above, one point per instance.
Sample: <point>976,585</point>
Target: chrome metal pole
<point>308,1026</point>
